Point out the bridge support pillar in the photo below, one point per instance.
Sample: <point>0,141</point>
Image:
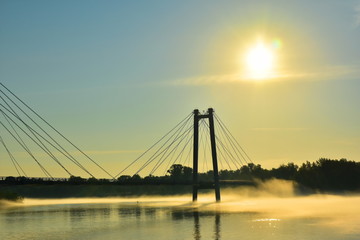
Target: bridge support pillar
<point>214,155</point>
<point>195,155</point>
<point>209,115</point>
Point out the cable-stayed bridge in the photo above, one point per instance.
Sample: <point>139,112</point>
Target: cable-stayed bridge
<point>201,142</point>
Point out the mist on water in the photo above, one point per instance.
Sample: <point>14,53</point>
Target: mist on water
<point>273,199</point>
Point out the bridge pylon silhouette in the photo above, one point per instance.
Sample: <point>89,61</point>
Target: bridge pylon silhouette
<point>196,185</point>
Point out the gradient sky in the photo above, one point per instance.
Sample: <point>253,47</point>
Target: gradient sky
<point>114,76</point>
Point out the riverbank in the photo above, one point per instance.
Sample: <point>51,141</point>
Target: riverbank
<point>275,187</point>
<point>77,191</point>
<point>9,195</point>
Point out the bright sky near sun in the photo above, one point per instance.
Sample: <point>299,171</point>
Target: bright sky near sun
<point>114,76</point>
<point>260,61</point>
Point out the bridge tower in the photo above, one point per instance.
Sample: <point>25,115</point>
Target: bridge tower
<point>196,186</point>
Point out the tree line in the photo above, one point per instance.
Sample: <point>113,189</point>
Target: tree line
<point>323,174</point>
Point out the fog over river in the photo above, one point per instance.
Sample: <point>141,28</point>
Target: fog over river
<point>272,211</point>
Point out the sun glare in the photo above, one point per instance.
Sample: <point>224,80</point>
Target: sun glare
<point>260,61</point>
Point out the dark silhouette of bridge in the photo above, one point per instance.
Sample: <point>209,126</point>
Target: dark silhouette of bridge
<point>199,137</point>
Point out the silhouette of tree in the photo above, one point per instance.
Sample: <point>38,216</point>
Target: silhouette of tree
<point>330,174</point>
<point>287,172</point>
<point>124,179</point>
<point>136,178</point>
<point>179,173</point>
<point>92,180</point>
<point>76,180</point>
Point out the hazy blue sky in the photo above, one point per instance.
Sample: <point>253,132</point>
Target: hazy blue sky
<point>114,76</point>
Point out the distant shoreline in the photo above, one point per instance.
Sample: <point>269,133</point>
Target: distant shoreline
<point>116,190</point>
<point>324,175</point>
<point>81,190</point>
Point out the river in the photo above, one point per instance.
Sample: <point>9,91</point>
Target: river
<point>311,217</point>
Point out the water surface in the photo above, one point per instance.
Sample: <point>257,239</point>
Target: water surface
<point>164,218</point>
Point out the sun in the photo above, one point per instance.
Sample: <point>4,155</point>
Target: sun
<point>260,61</point>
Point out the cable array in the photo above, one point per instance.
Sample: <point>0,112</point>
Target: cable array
<point>38,138</point>
<point>176,147</point>
<point>48,148</point>
<point>163,151</point>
